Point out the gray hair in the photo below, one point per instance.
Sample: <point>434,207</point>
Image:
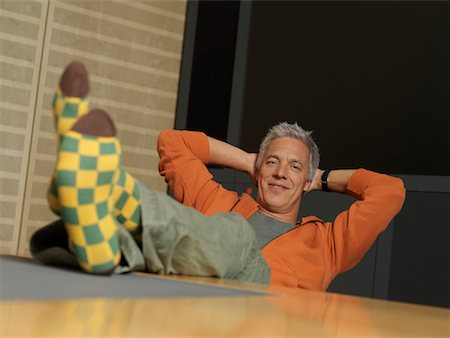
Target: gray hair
<point>284,129</point>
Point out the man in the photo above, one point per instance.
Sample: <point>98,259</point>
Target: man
<point>110,222</point>
<point>309,254</point>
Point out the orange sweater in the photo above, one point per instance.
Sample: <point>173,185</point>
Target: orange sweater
<point>314,252</point>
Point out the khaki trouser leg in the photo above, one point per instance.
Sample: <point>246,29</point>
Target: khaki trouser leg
<point>180,240</point>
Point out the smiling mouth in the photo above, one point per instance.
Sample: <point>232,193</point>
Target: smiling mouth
<point>277,187</point>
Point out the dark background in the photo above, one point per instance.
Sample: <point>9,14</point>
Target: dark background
<point>212,69</point>
<point>370,78</point>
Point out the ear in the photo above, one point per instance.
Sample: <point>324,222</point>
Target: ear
<point>307,186</point>
<point>255,179</point>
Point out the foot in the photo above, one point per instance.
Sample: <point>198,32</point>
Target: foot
<point>88,164</point>
<point>70,102</point>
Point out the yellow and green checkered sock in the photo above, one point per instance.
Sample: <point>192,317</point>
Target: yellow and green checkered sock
<point>86,169</point>
<point>127,208</point>
<point>70,102</point>
<point>66,111</point>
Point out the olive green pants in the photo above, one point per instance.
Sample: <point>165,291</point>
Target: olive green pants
<point>175,240</point>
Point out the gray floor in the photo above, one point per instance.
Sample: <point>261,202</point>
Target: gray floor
<point>22,278</point>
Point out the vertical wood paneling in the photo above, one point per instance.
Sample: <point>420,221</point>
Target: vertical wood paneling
<point>132,50</point>
<point>22,26</point>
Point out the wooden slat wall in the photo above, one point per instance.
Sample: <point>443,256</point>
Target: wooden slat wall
<point>22,28</point>
<point>132,50</point>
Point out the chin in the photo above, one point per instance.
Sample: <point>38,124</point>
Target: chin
<point>276,207</point>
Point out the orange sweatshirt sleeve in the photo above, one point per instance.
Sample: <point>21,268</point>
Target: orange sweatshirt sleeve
<point>351,234</point>
<point>183,159</point>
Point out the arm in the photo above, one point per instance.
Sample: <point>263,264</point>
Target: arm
<point>183,158</point>
<point>337,180</point>
<point>228,156</point>
<point>379,199</point>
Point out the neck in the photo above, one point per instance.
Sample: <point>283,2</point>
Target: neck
<point>289,217</point>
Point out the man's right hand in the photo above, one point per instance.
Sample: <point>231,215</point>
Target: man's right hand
<point>252,167</point>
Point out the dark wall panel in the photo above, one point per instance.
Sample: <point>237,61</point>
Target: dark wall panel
<point>212,67</point>
<point>369,77</point>
<point>419,270</point>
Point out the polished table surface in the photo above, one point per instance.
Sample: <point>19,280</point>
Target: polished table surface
<point>280,312</point>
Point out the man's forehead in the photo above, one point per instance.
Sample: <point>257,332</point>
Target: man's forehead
<point>289,147</point>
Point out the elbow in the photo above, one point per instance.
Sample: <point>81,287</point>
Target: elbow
<point>163,138</point>
<point>163,135</point>
<point>161,147</point>
<point>398,192</point>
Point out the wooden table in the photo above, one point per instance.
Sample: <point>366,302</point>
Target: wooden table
<point>282,312</point>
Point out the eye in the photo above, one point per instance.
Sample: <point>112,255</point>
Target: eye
<point>296,167</point>
<point>271,162</point>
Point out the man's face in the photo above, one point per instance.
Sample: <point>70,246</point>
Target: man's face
<point>282,177</point>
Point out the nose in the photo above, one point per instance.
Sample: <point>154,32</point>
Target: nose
<point>280,171</point>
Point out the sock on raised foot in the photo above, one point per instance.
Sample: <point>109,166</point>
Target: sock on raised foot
<point>70,102</point>
<point>86,170</point>
<point>95,192</point>
<point>126,197</point>
<point>71,99</point>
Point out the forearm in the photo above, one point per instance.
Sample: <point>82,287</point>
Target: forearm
<point>183,159</point>
<point>226,155</point>
<point>337,180</point>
